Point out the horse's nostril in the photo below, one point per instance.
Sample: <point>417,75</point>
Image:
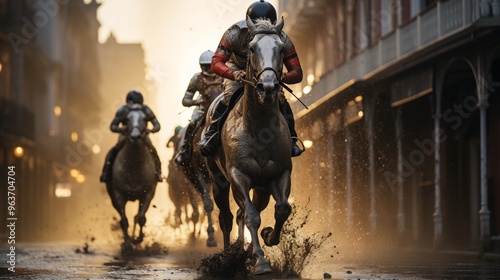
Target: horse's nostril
<point>269,87</point>
<point>276,87</point>
<point>135,134</point>
<point>260,88</point>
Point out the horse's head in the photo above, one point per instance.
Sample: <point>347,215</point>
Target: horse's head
<point>265,59</point>
<point>136,124</point>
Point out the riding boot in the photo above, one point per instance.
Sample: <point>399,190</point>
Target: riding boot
<point>106,170</point>
<point>186,148</point>
<point>209,144</point>
<point>286,110</point>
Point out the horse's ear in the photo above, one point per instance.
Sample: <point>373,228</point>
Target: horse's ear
<point>280,24</point>
<point>250,24</point>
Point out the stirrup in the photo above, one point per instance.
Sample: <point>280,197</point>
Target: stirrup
<point>207,146</point>
<point>294,142</point>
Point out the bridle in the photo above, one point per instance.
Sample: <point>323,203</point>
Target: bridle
<point>254,81</point>
<point>143,132</point>
<point>255,78</point>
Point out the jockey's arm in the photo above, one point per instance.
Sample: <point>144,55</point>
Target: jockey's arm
<point>156,125</point>
<point>188,100</point>
<point>292,64</point>
<point>221,56</point>
<point>120,116</point>
<point>152,118</point>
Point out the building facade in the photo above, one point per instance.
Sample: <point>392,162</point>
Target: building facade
<point>403,118</point>
<point>49,94</point>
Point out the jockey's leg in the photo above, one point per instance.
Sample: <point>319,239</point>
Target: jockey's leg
<point>210,142</point>
<point>156,159</point>
<point>186,147</point>
<point>108,163</point>
<point>286,110</point>
<point>106,169</point>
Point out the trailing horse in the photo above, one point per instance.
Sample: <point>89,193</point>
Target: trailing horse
<point>255,147</point>
<point>195,168</point>
<point>180,190</point>
<point>133,175</point>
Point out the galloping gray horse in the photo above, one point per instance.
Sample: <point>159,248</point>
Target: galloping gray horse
<point>255,147</point>
<point>133,176</point>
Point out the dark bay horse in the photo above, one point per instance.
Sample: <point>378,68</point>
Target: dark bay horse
<point>133,175</point>
<point>180,189</point>
<point>196,170</point>
<point>255,147</point>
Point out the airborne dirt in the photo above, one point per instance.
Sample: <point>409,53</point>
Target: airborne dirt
<point>176,257</point>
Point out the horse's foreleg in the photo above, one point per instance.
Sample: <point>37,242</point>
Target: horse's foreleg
<point>221,197</point>
<point>177,216</point>
<point>240,221</point>
<point>240,184</point>
<point>282,209</point>
<point>195,217</point>
<point>119,204</point>
<point>140,218</point>
<point>209,207</point>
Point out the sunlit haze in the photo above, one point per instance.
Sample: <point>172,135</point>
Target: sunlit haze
<point>173,34</point>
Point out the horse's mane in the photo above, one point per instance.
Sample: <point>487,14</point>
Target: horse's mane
<point>262,24</point>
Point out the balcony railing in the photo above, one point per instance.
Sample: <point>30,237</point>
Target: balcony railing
<point>433,25</point>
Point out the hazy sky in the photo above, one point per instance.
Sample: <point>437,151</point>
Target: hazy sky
<point>174,33</point>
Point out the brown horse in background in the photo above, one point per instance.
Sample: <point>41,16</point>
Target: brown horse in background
<point>255,147</point>
<point>196,170</point>
<point>133,176</point>
<point>181,191</point>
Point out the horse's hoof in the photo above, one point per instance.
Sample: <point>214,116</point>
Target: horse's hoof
<point>262,267</point>
<point>139,239</point>
<point>265,233</point>
<point>211,243</point>
<point>127,247</point>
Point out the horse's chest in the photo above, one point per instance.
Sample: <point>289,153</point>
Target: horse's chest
<point>259,167</point>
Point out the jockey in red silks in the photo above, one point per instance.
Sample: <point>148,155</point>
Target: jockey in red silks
<point>229,61</point>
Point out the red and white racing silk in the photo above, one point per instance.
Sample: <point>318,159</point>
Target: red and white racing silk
<point>234,47</point>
